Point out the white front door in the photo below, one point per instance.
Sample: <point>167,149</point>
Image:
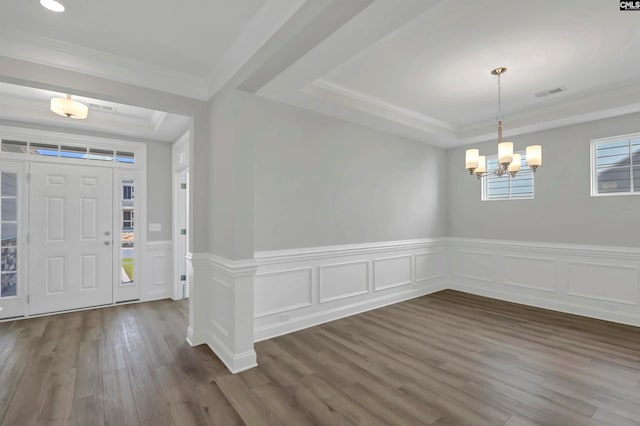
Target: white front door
<point>70,237</point>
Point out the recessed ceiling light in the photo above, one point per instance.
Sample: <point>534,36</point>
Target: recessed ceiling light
<point>52,5</point>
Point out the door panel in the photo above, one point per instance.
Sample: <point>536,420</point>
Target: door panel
<point>71,228</point>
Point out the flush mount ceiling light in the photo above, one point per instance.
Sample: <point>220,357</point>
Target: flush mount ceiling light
<point>69,108</point>
<point>508,162</point>
<point>52,5</point>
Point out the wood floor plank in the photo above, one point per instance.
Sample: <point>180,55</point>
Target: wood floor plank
<point>88,370</point>
<point>445,359</point>
<point>215,407</point>
<point>119,405</point>
<point>58,398</point>
<point>88,411</point>
<point>29,396</point>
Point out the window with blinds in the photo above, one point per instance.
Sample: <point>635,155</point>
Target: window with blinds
<point>615,166</point>
<point>506,187</point>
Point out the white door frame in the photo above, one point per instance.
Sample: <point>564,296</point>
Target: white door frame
<point>136,171</point>
<point>179,164</point>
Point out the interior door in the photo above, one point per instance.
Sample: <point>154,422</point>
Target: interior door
<point>70,237</point>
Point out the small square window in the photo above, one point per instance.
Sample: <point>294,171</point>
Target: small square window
<point>615,166</point>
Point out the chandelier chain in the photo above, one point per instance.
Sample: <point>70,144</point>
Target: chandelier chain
<point>499,99</point>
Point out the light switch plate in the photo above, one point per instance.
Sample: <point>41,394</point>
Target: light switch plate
<point>155,227</point>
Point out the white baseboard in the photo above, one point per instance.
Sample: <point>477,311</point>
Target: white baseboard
<point>550,304</point>
<point>299,323</point>
<point>236,363</point>
<point>296,289</point>
<point>193,338</point>
<point>593,281</point>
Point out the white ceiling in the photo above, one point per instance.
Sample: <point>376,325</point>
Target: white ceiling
<point>31,105</point>
<point>439,63</point>
<point>185,36</point>
<point>417,68</point>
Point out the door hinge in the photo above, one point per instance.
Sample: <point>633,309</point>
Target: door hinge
<point>27,238</point>
<point>27,298</point>
<point>183,186</point>
<point>183,277</point>
<point>183,231</point>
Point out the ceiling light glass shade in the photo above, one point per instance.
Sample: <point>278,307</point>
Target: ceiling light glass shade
<point>471,159</point>
<point>67,107</point>
<point>515,164</point>
<point>482,165</point>
<point>52,5</point>
<point>505,153</point>
<point>534,156</point>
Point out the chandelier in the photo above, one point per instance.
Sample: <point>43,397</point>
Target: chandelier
<point>508,162</point>
<point>67,107</point>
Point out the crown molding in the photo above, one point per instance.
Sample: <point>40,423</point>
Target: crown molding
<point>68,56</point>
<point>157,118</point>
<point>372,106</point>
<point>611,103</point>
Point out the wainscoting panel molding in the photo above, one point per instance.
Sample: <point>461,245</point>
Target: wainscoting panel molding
<point>593,281</point>
<point>343,280</point>
<point>159,284</point>
<point>428,265</point>
<point>390,272</point>
<point>296,289</point>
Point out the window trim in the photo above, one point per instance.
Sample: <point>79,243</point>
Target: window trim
<point>483,186</point>
<point>592,166</point>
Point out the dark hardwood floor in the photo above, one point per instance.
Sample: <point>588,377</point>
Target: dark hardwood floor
<point>444,359</point>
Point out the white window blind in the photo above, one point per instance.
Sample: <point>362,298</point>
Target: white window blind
<point>615,166</point>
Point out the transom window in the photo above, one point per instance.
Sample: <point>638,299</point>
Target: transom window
<point>615,165</point>
<point>63,151</point>
<point>506,187</point>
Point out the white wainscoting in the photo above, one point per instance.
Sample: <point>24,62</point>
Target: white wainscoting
<point>221,308</point>
<point>158,264</point>
<point>300,288</point>
<point>594,281</point>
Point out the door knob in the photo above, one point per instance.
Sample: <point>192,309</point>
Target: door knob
<point>106,243</point>
<point>107,233</point>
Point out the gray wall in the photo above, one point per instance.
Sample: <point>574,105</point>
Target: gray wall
<point>230,188</point>
<point>563,210</point>
<point>321,181</point>
<point>159,188</point>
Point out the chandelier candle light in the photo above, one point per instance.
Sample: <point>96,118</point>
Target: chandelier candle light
<point>509,163</point>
